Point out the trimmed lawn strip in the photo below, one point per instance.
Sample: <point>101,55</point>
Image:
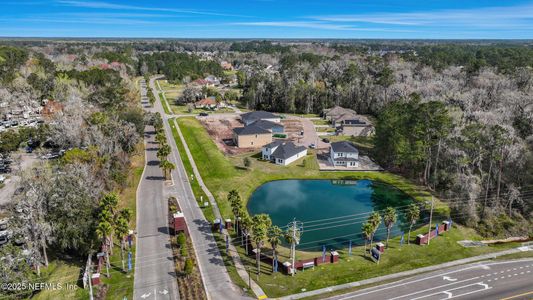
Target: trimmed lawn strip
<point>359,267</point>
<point>64,272</point>
<point>196,189</point>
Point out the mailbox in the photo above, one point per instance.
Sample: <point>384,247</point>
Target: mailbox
<point>334,257</point>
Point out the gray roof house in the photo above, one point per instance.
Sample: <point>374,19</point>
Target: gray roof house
<point>344,154</point>
<point>274,127</point>
<point>283,152</point>
<point>250,117</point>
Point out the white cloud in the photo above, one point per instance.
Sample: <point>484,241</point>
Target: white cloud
<point>315,25</point>
<point>506,17</point>
<point>107,5</point>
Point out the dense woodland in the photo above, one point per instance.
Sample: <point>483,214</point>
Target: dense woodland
<point>59,205</point>
<point>454,117</point>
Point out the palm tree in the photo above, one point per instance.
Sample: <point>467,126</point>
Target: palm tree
<point>412,214</point>
<point>103,230</point>
<point>260,225</point>
<point>106,216</point>
<point>274,235</point>
<point>163,152</point>
<point>374,220</point>
<point>246,224</point>
<point>167,167</point>
<point>366,229</point>
<point>389,218</point>
<point>160,138</point>
<point>121,231</point>
<point>236,206</point>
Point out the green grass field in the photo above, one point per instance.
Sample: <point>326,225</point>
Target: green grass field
<point>222,174</point>
<point>358,266</point>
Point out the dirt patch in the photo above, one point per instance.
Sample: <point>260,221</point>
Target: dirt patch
<point>221,131</point>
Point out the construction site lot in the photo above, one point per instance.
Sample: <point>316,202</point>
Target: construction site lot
<point>220,129</point>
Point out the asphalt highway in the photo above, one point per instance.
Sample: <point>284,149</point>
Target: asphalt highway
<point>511,279</point>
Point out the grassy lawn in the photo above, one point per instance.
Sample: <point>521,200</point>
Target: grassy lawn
<point>222,174</point>
<point>64,272</point>
<point>325,129</point>
<point>320,122</point>
<point>164,103</point>
<point>302,115</point>
<point>358,266</point>
<point>196,189</point>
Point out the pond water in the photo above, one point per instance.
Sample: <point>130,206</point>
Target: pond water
<point>344,203</point>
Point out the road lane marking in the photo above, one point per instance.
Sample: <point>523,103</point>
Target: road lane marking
<point>436,287</point>
<point>450,294</point>
<point>516,296</point>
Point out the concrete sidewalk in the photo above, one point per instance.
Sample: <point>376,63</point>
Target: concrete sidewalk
<point>241,270</point>
<point>217,283</point>
<point>400,274</point>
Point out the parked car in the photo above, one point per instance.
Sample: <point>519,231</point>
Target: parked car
<point>204,114</point>
<point>325,140</point>
<point>312,146</point>
<point>2,179</point>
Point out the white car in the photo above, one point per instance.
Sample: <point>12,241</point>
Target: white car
<point>2,178</point>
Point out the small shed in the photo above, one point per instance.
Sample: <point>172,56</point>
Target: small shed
<point>179,222</point>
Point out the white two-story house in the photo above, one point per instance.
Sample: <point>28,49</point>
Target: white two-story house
<point>344,154</point>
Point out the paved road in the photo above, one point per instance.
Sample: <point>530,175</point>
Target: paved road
<point>214,274</point>
<point>511,279</point>
<point>155,276</point>
<point>21,162</point>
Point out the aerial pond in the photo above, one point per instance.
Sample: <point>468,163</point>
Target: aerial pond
<point>332,211</point>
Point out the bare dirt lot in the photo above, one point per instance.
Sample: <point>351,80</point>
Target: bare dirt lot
<point>220,128</point>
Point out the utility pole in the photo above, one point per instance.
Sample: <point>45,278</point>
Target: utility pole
<point>293,247</point>
<point>296,228</point>
<point>430,220</point>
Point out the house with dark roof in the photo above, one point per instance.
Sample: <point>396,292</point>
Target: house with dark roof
<point>253,116</point>
<point>344,154</point>
<point>359,126</point>
<point>251,136</point>
<point>283,152</point>
<point>274,127</point>
<point>335,112</point>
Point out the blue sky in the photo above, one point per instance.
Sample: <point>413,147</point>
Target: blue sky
<point>434,19</point>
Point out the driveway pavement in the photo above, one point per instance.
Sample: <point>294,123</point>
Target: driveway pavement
<point>155,276</point>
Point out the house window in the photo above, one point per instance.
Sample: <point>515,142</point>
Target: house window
<point>251,143</point>
<point>340,154</point>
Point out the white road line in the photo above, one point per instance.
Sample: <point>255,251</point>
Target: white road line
<point>450,295</point>
<point>433,288</point>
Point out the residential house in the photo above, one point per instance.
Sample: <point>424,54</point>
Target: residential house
<point>344,154</point>
<point>282,152</point>
<point>335,112</point>
<point>212,80</point>
<point>251,136</point>
<point>273,127</point>
<point>250,117</point>
<point>201,83</point>
<point>206,103</point>
<point>356,127</point>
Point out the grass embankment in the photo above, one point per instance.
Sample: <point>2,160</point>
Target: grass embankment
<point>196,189</point>
<point>221,174</point>
<point>120,284</point>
